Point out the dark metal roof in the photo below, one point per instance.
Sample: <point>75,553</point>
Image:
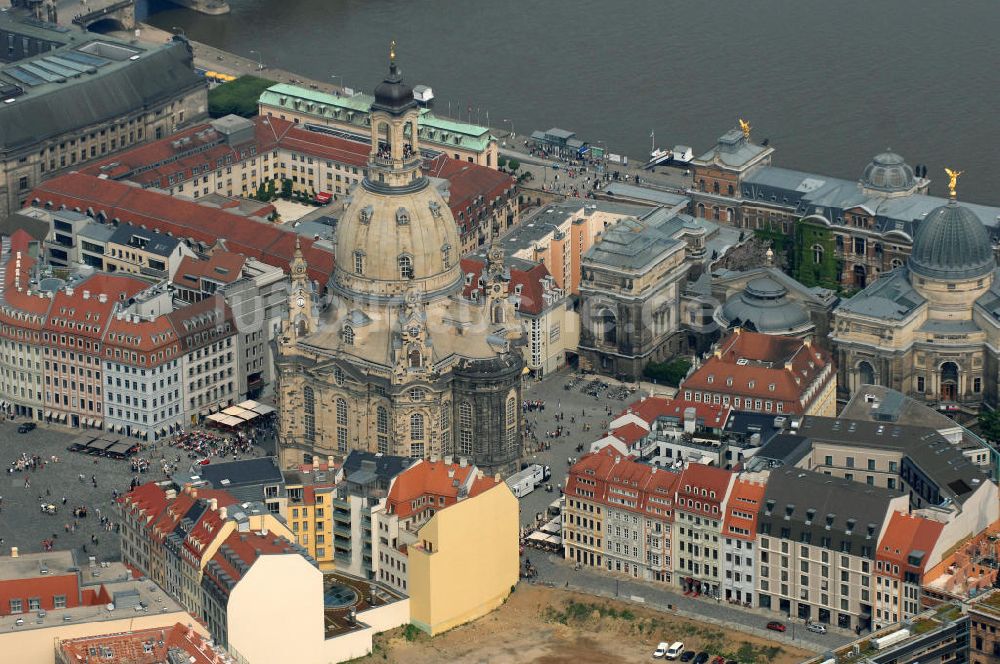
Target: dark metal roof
<point>147,240</point>
<point>263,470</point>
<point>951,243</point>
<point>392,95</point>
<point>385,467</point>
<point>112,92</point>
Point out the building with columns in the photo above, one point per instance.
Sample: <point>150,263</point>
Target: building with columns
<point>394,360</point>
<point>929,329</point>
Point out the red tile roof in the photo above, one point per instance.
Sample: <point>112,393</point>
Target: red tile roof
<point>904,534</point>
<point>710,479</point>
<point>148,499</point>
<point>762,366</point>
<point>269,243</point>
<point>650,409</point>
<point>605,477</point>
<point>471,187</point>
<point>423,484</point>
<point>530,300</point>
<point>204,315</point>
<point>247,547</point>
<point>629,433</point>
<point>742,509</point>
<point>79,310</point>
<point>147,646</point>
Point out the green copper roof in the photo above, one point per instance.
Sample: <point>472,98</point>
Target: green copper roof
<point>434,130</point>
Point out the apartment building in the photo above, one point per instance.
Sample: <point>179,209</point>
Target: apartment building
<point>448,537</point>
<point>144,252</point>
<point>22,317</point>
<point>209,364</point>
<point>699,510</point>
<point>817,544</point>
<point>910,546</point>
<point>619,516</point>
<point>739,533</point>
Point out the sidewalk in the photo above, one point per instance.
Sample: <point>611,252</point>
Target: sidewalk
<point>558,573</point>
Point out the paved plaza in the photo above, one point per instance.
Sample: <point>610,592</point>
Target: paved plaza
<point>22,522</point>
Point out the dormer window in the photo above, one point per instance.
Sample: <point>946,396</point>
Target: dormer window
<point>402,216</point>
<point>365,216</point>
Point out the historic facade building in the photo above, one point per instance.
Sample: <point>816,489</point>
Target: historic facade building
<point>398,362</point>
<point>847,232</point>
<point>929,329</point>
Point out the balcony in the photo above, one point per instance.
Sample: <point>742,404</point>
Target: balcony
<point>341,531</point>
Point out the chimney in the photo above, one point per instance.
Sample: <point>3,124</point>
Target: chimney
<point>222,513</point>
<point>315,463</point>
<point>193,491</point>
<point>449,459</point>
<point>170,494</point>
<point>263,532</point>
<point>14,552</point>
<point>433,458</point>
<point>102,298</point>
<point>86,294</point>
<point>329,462</point>
<point>213,504</point>
<point>69,291</point>
<point>451,473</point>
<point>497,478</point>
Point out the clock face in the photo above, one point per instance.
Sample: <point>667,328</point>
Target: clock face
<point>301,301</point>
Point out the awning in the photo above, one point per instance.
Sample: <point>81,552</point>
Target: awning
<point>257,407</point>
<point>48,413</point>
<point>98,423</point>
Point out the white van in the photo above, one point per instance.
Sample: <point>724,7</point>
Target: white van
<point>675,650</point>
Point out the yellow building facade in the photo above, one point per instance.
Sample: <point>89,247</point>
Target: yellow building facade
<point>465,561</point>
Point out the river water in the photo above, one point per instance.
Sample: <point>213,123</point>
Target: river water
<point>830,83</point>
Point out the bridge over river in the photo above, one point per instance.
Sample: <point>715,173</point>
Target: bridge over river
<point>125,14</point>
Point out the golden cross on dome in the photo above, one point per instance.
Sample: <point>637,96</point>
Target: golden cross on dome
<point>392,52</point>
<point>952,180</point>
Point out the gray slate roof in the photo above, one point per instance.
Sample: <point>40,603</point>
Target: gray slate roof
<point>115,90</point>
<point>156,242</point>
<point>890,297</point>
<point>733,150</point>
<point>853,511</point>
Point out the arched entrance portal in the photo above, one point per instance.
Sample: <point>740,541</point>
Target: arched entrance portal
<point>866,374</point>
<point>949,381</point>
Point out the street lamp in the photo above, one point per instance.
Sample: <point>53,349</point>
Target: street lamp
<point>511,134</point>
<point>260,62</point>
<point>335,77</point>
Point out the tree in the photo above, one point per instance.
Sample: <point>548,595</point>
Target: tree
<point>237,97</point>
<point>513,165</point>
<point>261,193</point>
<point>668,373</point>
<point>286,189</point>
<point>989,425</point>
<point>271,190</point>
<point>501,162</point>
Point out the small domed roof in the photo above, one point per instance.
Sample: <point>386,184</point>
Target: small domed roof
<point>888,172</point>
<point>952,243</point>
<point>392,95</point>
<point>764,306</point>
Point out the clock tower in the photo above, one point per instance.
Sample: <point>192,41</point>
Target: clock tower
<point>301,319</point>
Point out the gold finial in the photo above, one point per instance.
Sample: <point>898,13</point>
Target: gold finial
<point>392,52</point>
<point>952,180</point>
<point>745,128</point>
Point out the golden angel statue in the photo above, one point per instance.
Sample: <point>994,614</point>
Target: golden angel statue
<point>392,51</point>
<point>745,128</point>
<point>952,180</point>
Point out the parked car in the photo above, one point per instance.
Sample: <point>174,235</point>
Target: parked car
<point>701,658</point>
<point>26,427</point>
<point>776,626</point>
<point>719,659</point>
<point>675,650</point>
<point>661,650</point>
<point>816,627</point>
<point>687,656</point>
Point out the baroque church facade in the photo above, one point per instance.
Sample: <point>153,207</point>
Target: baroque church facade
<point>930,328</point>
<point>396,361</point>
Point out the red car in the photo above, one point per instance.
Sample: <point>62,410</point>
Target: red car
<point>776,626</point>
<point>719,659</point>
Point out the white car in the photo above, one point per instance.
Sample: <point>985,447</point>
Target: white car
<point>661,650</point>
<point>816,627</point>
<point>675,650</point>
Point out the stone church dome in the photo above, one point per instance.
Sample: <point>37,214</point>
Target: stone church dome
<point>888,172</point>
<point>397,236</point>
<point>952,243</point>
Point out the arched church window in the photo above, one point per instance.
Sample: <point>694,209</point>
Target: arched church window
<point>309,413</point>
<point>415,359</point>
<point>465,429</point>
<point>382,430</point>
<point>866,373</point>
<point>405,264</point>
<point>348,335</point>
<point>416,427</point>
<point>341,411</point>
